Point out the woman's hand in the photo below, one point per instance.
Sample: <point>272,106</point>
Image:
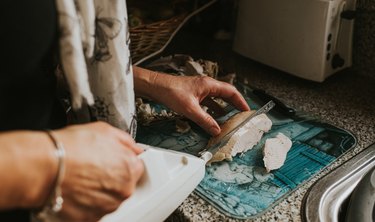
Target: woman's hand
<point>101,170</point>
<point>185,94</point>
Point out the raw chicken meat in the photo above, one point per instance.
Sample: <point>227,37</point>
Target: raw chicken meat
<point>244,139</point>
<point>275,151</point>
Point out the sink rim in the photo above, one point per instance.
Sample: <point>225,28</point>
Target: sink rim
<point>324,198</point>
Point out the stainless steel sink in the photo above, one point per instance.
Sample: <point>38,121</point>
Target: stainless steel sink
<point>324,201</point>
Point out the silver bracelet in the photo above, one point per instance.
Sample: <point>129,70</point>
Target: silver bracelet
<point>55,200</point>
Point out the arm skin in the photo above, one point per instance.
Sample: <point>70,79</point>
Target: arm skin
<point>28,165</point>
<point>101,169</point>
<point>184,94</point>
<point>27,169</point>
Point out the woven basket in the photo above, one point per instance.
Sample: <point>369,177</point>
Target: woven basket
<point>151,39</point>
<point>147,39</point>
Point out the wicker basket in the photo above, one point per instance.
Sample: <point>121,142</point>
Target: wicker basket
<point>151,39</point>
<point>147,39</point>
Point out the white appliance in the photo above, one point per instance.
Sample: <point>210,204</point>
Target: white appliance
<point>169,178</point>
<point>311,39</point>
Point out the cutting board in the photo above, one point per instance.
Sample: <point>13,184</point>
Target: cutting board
<point>242,188</point>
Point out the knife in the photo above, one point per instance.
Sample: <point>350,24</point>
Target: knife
<point>265,97</point>
<point>279,105</point>
<point>209,152</point>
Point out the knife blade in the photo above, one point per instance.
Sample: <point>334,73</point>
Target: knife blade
<point>279,105</point>
<point>209,152</point>
<point>264,96</point>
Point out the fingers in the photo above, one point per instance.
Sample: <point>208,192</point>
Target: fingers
<point>216,109</point>
<point>131,148</point>
<point>134,169</point>
<point>203,119</point>
<point>231,95</point>
<point>217,89</point>
<point>123,136</point>
<point>107,170</point>
<point>136,166</point>
<point>227,92</point>
<point>89,208</point>
<point>128,141</point>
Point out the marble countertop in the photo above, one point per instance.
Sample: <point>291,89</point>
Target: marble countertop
<point>346,100</point>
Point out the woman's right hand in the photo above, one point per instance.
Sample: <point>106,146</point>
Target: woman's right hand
<point>101,170</point>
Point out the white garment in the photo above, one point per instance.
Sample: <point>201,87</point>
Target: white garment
<point>94,49</point>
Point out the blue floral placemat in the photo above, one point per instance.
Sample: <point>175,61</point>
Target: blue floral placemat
<point>242,188</point>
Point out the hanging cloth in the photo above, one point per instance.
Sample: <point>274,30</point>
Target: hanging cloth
<point>95,57</point>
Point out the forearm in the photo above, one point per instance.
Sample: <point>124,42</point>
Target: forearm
<point>143,81</point>
<point>27,169</point>
<point>148,83</point>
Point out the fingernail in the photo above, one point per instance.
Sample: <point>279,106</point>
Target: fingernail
<point>214,130</point>
<point>139,150</point>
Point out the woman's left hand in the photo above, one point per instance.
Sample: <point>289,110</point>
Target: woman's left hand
<point>184,94</point>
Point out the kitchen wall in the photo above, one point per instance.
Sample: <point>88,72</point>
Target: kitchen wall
<point>364,37</point>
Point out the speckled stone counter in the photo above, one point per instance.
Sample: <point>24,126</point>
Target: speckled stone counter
<point>364,37</point>
<point>346,100</point>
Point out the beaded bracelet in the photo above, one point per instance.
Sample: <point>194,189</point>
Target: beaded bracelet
<point>55,200</point>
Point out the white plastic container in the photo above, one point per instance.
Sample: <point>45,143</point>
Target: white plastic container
<point>169,178</point>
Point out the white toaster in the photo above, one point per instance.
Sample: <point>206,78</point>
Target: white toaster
<point>311,39</point>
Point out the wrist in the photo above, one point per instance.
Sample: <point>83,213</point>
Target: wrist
<point>43,174</point>
<point>27,169</point>
<point>54,202</point>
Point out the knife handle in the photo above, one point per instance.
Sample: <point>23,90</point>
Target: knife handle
<point>279,106</point>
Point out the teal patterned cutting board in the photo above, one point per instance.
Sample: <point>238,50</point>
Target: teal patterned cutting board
<point>242,188</point>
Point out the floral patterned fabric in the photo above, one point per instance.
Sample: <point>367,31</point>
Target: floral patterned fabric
<point>94,49</point>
